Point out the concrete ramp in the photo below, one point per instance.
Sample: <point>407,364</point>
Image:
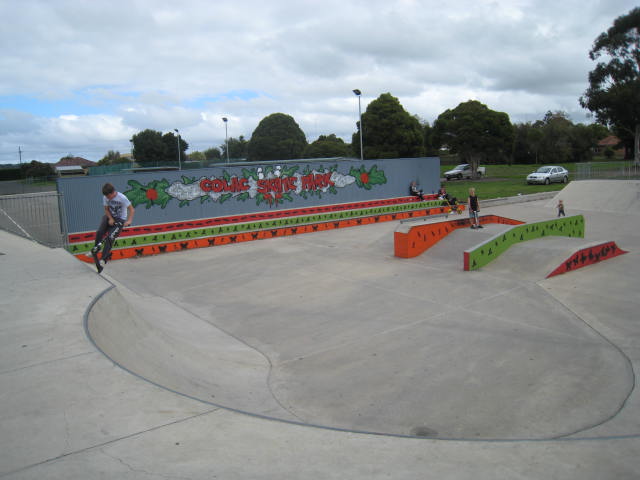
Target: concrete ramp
<point>536,259</point>
<point>344,335</point>
<point>166,345</point>
<point>615,196</point>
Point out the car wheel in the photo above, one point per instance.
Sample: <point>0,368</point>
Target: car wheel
<point>546,181</point>
<point>459,176</point>
<point>565,179</point>
<point>479,174</point>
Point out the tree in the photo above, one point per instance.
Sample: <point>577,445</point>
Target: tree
<point>171,147</point>
<point>555,144</point>
<point>37,169</point>
<point>212,154</point>
<point>238,148</point>
<point>430,148</point>
<point>197,157</point>
<point>277,137</point>
<point>582,141</point>
<point>112,157</point>
<point>614,86</point>
<point>151,147</point>
<point>523,148</point>
<point>148,147</point>
<point>476,133</point>
<point>327,146</point>
<point>388,131</point>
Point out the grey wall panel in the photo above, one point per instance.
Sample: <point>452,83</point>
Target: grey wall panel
<point>83,196</point>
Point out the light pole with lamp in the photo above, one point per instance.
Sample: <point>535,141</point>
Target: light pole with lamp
<point>358,93</point>
<point>226,141</point>
<point>179,161</point>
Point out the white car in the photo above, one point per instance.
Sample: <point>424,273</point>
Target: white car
<point>549,174</point>
<point>463,171</point>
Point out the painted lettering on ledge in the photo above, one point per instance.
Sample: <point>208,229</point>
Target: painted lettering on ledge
<point>271,185</point>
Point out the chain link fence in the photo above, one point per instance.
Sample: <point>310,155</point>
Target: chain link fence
<point>604,170</point>
<point>37,216</point>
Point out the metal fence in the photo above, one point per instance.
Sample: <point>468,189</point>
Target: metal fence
<point>28,185</point>
<point>604,170</point>
<point>37,216</point>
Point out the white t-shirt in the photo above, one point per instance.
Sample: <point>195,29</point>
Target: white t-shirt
<point>118,206</point>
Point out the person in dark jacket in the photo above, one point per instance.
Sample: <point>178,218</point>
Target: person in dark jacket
<point>474,208</point>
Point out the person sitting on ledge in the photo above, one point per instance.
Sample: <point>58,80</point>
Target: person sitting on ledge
<point>413,190</point>
<point>447,199</point>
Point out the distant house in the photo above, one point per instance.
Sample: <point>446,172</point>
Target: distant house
<point>611,142</point>
<point>73,166</point>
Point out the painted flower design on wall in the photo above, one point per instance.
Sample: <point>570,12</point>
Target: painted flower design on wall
<point>271,185</point>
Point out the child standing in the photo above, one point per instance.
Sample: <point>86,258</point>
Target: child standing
<point>560,208</point>
<point>474,208</point>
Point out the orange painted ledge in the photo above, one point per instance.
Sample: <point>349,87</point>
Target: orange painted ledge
<point>166,247</point>
<point>413,241</point>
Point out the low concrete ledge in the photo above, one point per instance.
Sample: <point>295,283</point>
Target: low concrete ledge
<point>493,202</point>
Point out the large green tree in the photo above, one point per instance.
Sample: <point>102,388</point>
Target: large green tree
<point>148,147</point>
<point>277,137</point>
<point>388,131</point>
<point>476,133</point>
<point>151,147</point>
<point>327,146</point>
<point>614,85</point>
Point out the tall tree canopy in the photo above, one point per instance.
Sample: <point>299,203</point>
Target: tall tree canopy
<point>150,147</point>
<point>388,131</point>
<point>277,137</point>
<point>614,86</point>
<point>475,132</point>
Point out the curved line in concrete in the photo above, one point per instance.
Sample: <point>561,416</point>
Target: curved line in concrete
<point>561,438</point>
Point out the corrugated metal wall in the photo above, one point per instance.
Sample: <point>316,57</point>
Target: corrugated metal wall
<point>83,195</point>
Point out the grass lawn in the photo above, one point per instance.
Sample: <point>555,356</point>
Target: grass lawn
<point>500,181</point>
<point>496,188</point>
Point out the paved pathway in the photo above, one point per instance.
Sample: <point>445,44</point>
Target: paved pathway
<point>508,375</point>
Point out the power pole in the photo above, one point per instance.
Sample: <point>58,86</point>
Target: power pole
<point>20,154</point>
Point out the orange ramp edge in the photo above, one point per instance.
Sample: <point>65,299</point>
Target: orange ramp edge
<point>420,238</point>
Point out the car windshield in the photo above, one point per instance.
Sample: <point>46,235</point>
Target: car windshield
<point>461,167</point>
<point>543,170</point>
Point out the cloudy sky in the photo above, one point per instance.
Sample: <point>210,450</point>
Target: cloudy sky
<point>81,77</point>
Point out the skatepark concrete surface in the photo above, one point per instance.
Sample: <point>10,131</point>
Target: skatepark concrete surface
<point>325,356</point>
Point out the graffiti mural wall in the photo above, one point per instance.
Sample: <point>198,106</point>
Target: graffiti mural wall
<point>174,196</point>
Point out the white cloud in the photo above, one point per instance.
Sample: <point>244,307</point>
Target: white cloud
<point>85,76</point>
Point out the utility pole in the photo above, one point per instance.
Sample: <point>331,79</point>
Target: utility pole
<point>20,155</point>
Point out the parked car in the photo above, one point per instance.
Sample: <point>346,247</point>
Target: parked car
<point>462,171</point>
<point>549,174</point>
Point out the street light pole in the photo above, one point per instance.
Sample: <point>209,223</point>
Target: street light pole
<point>358,93</point>
<point>226,140</point>
<point>179,161</point>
